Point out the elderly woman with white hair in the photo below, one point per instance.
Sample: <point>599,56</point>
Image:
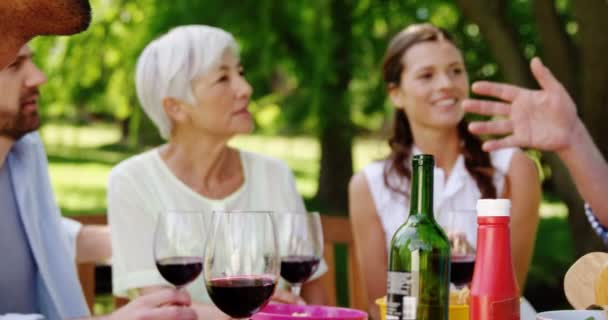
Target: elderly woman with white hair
<point>190,83</point>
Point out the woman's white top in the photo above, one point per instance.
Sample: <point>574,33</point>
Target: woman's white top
<point>142,187</point>
<point>458,193</point>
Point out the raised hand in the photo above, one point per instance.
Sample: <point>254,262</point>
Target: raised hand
<point>544,119</point>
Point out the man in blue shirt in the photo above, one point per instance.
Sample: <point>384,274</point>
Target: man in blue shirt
<point>37,275</point>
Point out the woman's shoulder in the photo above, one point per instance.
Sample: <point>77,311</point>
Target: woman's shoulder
<point>522,165</point>
<point>374,170</point>
<point>374,175</point>
<point>135,164</point>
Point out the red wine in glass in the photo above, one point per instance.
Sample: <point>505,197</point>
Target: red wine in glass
<point>241,262</point>
<point>241,297</point>
<point>462,270</point>
<point>179,246</point>
<point>298,269</point>
<point>300,245</point>
<point>180,271</point>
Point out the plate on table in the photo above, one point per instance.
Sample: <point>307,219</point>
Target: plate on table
<point>279,311</point>
<point>572,315</point>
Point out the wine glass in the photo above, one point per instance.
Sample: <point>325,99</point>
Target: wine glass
<point>300,245</point>
<point>241,261</point>
<point>179,246</point>
<point>461,228</point>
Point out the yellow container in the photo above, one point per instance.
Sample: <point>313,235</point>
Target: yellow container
<point>455,312</point>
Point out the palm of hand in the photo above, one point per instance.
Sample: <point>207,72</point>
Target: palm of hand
<point>542,120</point>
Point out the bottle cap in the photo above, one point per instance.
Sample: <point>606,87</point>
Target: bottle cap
<point>493,208</point>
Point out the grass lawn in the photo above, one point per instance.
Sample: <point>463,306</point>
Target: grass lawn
<point>81,157</point>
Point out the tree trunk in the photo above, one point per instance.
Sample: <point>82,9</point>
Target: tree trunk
<point>124,129</point>
<point>501,36</point>
<point>560,53</point>
<point>592,17</point>
<point>336,127</point>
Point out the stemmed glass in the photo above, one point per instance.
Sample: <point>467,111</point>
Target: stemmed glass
<point>241,265</point>
<point>300,245</point>
<point>461,229</point>
<point>179,246</point>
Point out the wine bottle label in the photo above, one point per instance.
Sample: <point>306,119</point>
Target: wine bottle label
<point>401,300</point>
<point>409,308</point>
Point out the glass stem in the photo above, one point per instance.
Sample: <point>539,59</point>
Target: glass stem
<point>296,288</point>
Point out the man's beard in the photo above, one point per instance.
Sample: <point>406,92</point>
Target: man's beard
<point>21,125</point>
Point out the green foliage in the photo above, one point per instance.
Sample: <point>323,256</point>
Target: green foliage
<point>286,50</point>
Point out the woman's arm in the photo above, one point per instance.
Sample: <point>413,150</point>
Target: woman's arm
<point>313,292</point>
<point>369,240</point>
<point>523,188</point>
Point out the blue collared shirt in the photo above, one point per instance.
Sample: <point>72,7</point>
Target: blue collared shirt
<point>58,290</point>
<point>18,268</point>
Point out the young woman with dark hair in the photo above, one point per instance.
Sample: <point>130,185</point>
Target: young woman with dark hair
<point>426,81</point>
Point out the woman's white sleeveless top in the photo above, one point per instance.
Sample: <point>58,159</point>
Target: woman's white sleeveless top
<point>456,193</point>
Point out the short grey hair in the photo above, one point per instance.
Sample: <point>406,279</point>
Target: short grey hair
<point>169,64</point>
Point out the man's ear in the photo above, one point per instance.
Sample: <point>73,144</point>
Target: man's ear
<point>174,109</point>
<point>396,95</point>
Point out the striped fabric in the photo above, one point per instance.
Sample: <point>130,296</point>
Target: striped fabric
<point>601,230</point>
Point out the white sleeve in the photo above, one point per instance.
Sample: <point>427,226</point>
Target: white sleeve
<point>132,224</point>
<point>295,202</point>
<point>71,228</point>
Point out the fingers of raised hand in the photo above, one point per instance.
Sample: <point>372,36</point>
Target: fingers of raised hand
<point>485,107</point>
<point>506,142</point>
<point>505,92</point>
<point>543,75</point>
<point>491,127</point>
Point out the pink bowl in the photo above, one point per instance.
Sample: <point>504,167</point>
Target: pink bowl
<point>293,312</point>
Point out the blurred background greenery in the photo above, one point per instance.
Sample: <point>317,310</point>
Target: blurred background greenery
<point>319,103</point>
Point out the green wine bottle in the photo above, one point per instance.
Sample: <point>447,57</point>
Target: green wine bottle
<point>419,264</point>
